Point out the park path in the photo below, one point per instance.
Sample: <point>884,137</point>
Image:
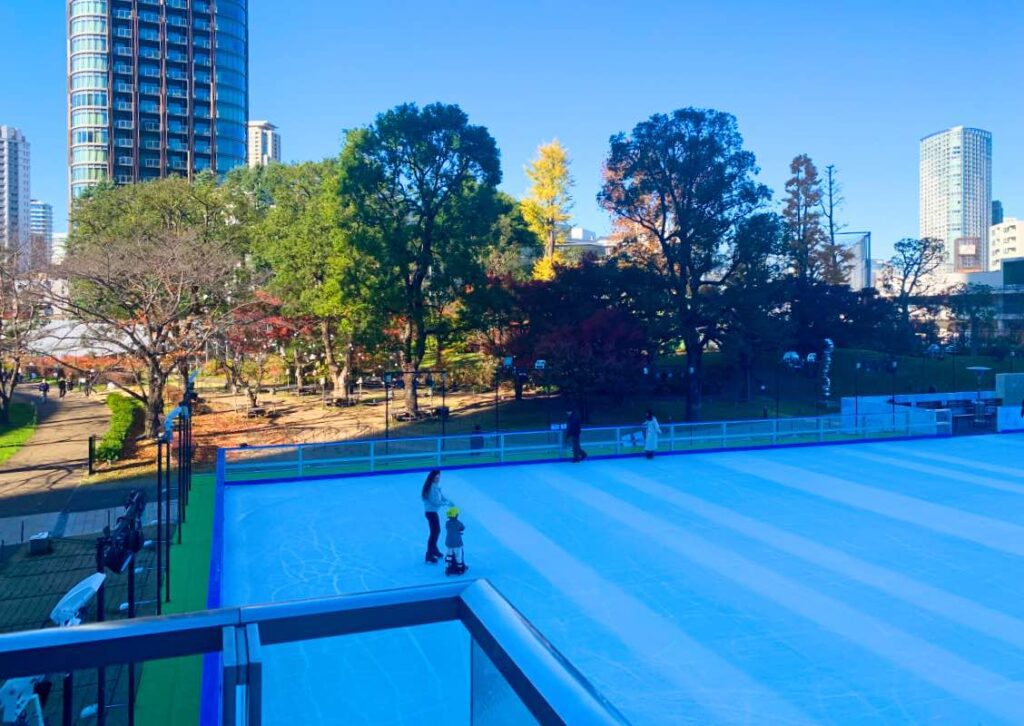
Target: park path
<point>38,482</point>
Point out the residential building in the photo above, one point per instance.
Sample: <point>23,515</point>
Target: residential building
<point>997,212</point>
<point>587,242</point>
<point>15,190</point>
<point>41,244</point>
<point>155,88</point>
<point>1005,241</point>
<point>859,276</point>
<point>956,194</point>
<point>59,248</point>
<point>264,143</point>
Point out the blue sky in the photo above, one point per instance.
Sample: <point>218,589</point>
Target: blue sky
<point>856,84</point>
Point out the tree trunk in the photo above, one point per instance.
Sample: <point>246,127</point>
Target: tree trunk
<point>517,382</point>
<point>339,373</point>
<point>694,361</point>
<point>549,247</point>
<point>252,393</point>
<point>155,406</point>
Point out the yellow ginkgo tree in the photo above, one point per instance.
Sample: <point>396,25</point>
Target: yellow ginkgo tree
<point>547,204</point>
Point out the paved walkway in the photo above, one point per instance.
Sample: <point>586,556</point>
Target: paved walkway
<point>39,481</point>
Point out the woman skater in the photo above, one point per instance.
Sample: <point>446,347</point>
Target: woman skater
<point>651,431</point>
<point>433,499</point>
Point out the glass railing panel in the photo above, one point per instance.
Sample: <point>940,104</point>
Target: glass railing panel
<point>492,700</point>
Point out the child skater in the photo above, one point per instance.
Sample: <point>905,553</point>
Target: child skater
<point>455,561</point>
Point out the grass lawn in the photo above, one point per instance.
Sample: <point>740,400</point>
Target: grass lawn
<point>15,433</point>
<point>170,690</point>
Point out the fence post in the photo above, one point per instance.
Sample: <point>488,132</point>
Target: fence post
<point>92,454</point>
<point>373,456</point>
<point>821,429</point>
<point>723,434</point>
<point>618,440</point>
<point>439,449</point>
<point>501,447</point>
<point>300,449</point>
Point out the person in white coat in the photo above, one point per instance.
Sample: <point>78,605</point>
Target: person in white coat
<point>651,430</point>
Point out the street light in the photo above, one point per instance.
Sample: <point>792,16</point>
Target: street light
<point>892,373</point>
<point>979,410</point>
<point>444,407</point>
<point>856,392</point>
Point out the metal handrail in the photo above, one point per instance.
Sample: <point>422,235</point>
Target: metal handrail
<point>548,686</point>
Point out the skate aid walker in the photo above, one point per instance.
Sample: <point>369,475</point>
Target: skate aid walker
<point>454,560</point>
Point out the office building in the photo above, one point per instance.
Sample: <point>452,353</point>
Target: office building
<point>15,190</point>
<point>956,194</point>
<point>264,143</point>
<point>155,88</point>
<point>1005,242</point>
<point>997,212</point>
<point>859,269</point>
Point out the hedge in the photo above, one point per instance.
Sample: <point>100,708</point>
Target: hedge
<point>124,414</point>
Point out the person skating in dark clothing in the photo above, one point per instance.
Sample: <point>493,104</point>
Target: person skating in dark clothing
<point>62,388</point>
<point>573,429</point>
<point>433,499</point>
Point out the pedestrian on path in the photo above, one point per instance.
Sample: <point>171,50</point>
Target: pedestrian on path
<point>44,388</point>
<point>433,499</point>
<point>651,431</point>
<point>62,388</point>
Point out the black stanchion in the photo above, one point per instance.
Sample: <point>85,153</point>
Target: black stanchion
<point>92,454</point>
<point>68,699</point>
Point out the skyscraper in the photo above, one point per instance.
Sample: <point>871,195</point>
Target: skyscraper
<point>264,143</point>
<point>956,194</point>
<point>997,212</point>
<point>155,87</point>
<point>15,190</point>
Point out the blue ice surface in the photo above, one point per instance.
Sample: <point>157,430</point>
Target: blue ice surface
<point>868,583</point>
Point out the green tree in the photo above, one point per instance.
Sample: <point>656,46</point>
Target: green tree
<point>912,273</point>
<point>317,272</point>
<point>684,185</point>
<point>420,185</point>
<point>801,214</point>
<point>546,206</point>
<point>155,272</point>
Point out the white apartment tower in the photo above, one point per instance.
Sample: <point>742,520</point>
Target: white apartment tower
<point>264,143</point>
<point>15,190</point>
<point>1006,241</point>
<point>956,195</point>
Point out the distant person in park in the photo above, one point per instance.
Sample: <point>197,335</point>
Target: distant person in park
<point>573,429</point>
<point>455,562</point>
<point>44,388</point>
<point>83,383</point>
<point>62,388</point>
<point>651,431</point>
<point>433,499</point>
<point>476,441</point>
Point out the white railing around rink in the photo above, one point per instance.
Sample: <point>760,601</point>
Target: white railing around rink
<point>252,464</point>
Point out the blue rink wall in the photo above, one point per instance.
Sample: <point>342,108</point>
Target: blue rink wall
<point>871,582</point>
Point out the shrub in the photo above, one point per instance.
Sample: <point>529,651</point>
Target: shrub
<point>125,414</point>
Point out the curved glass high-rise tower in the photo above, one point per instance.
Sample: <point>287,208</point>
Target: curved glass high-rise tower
<point>155,87</point>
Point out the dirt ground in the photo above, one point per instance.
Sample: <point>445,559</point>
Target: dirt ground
<point>223,420</point>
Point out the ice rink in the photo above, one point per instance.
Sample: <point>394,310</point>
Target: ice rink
<point>869,583</point>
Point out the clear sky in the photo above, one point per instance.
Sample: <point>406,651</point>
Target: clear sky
<point>855,83</point>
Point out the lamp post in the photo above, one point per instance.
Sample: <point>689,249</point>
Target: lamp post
<point>856,393</point>
<point>387,410</point>
<point>1013,354</point>
<point>777,384</point>
<point>444,407</point>
<point>892,374</point>
<point>979,409</point>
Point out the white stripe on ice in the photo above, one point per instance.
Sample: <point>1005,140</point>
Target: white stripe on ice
<point>976,528</point>
<point>722,689</point>
<point>920,594</point>
<point>990,691</point>
<point>903,463</point>
<point>958,460</point>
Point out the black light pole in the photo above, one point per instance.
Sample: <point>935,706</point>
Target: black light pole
<point>1013,354</point>
<point>159,544</point>
<point>167,519</point>
<point>856,393</point>
<point>777,384</point>
<point>444,406</point>
<point>497,387</point>
<point>387,411</point>
<point>892,372</point>
<point>952,357</point>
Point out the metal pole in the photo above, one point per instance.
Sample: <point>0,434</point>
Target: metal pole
<point>159,544</point>
<point>68,699</point>
<point>181,476</point>
<point>131,666</point>
<point>167,518</point>
<point>92,454</point>
<point>497,387</point>
<point>387,417</point>
<point>777,384</point>
<point>101,673</point>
